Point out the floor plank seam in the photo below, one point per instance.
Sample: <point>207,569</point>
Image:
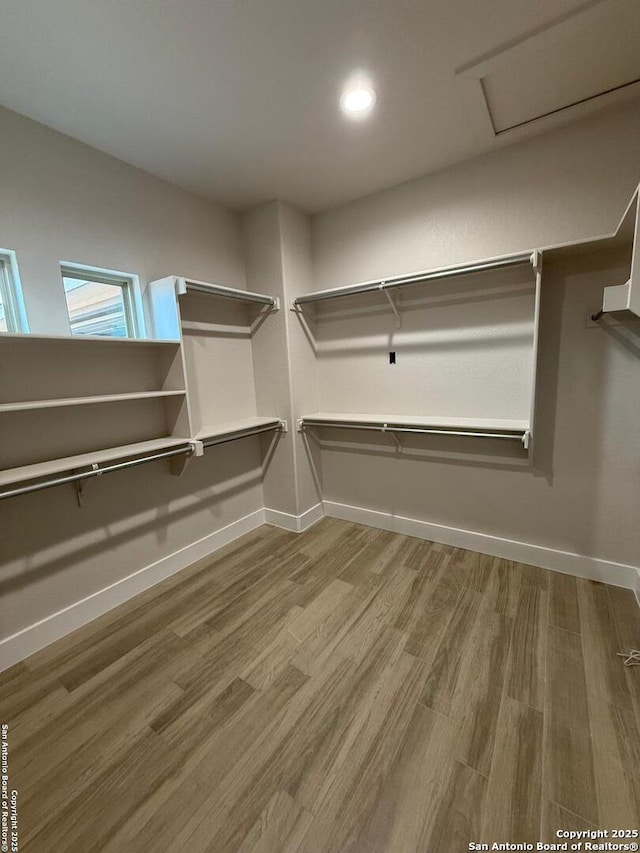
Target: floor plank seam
<point>575,814</point>
<point>545,720</point>
<point>432,710</point>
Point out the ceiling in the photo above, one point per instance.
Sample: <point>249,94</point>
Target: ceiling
<point>237,100</point>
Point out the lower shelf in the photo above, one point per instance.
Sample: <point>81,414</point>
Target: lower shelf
<point>468,427</point>
<point>218,433</point>
<point>208,436</point>
<point>68,463</point>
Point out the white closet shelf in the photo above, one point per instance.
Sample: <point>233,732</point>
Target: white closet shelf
<point>236,429</point>
<point>76,339</point>
<point>623,297</point>
<point>68,463</point>
<point>507,424</point>
<point>626,297</point>
<point>184,285</point>
<point>60,402</point>
<point>423,277</point>
<point>481,427</point>
<point>622,237</point>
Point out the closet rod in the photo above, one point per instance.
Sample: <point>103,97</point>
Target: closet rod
<point>93,472</point>
<point>229,292</point>
<point>418,278</point>
<point>243,434</point>
<point>519,436</point>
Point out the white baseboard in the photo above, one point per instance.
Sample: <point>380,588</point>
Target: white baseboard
<point>29,640</point>
<point>35,637</point>
<point>19,646</point>
<point>295,523</point>
<point>580,565</point>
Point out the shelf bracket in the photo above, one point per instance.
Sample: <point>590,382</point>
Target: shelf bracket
<point>393,435</point>
<point>81,485</point>
<point>526,439</point>
<point>179,463</point>
<point>392,303</point>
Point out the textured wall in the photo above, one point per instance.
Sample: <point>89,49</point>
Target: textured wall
<point>464,349</point>
<point>62,200</point>
<point>571,184</point>
<point>565,185</point>
<point>277,241</point>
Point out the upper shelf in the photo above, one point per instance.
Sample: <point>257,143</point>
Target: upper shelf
<point>508,424</point>
<point>417,278</point>
<point>621,237</point>
<point>163,294</point>
<point>623,297</point>
<point>61,402</point>
<point>185,285</point>
<point>626,297</point>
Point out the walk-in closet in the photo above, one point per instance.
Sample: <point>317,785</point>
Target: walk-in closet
<point>319,426</point>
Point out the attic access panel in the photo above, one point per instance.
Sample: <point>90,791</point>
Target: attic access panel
<point>573,66</point>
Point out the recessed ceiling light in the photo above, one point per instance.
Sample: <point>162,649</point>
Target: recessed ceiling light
<point>357,99</point>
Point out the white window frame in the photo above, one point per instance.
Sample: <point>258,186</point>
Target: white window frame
<point>15,312</point>
<point>130,284</point>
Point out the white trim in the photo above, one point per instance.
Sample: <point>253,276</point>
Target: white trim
<point>15,309</point>
<point>567,562</point>
<point>35,637</point>
<point>295,523</point>
<point>19,646</point>
<point>132,285</point>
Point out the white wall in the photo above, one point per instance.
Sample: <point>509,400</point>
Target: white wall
<point>298,279</point>
<point>565,185</point>
<point>278,251</point>
<point>216,336</point>
<point>464,349</point>
<point>61,200</point>
<point>571,184</point>
<point>263,252</point>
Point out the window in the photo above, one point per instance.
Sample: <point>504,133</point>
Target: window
<point>13,317</point>
<point>102,302</point>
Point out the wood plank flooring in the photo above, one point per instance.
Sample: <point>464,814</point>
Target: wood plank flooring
<point>346,690</point>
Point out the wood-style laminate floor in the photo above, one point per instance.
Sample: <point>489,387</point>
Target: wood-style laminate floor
<point>346,689</point>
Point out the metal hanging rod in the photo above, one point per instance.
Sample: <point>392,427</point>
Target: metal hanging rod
<point>245,433</point>
<point>518,436</point>
<point>418,278</point>
<point>186,284</point>
<point>94,472</point>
